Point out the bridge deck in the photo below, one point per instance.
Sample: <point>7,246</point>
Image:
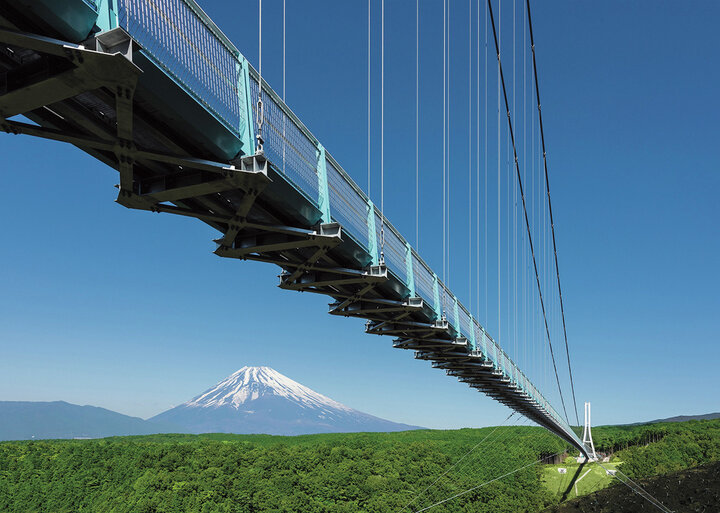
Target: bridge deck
<point>183,143</point>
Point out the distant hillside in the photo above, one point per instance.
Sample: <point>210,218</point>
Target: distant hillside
<point>252,400</point>
<point>678,418</point>
<point>685,418</point>
<point>24,420</point>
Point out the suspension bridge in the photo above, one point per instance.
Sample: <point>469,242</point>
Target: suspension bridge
<point>154,89</point>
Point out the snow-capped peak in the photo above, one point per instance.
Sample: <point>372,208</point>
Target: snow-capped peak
<point>251,383</point>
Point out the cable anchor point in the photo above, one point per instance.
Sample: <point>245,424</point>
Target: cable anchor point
<point>260,120</point>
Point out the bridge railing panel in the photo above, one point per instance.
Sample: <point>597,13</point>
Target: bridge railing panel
<point>479,340</point>
<point>92,3</point>
<point>493,350</point>
<point>183,42</point>
<point>286,143</point>
<point>445,299</point>
<point>466,324</point>
<point>394,249</point>
<point>395,252</point>
<point>348,206</point>
<point>423,280</point>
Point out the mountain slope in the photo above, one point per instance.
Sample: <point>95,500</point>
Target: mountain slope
<point>23,420</point>
<point>261,400</point>
<point>679,418</point>
<point>686,418</point>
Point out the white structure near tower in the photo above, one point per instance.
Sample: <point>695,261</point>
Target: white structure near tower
<point>587,435</point>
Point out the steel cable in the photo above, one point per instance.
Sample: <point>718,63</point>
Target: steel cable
<point>552,224</point>
<point>522,195</point>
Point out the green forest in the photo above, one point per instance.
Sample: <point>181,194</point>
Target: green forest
<point>369,472</point>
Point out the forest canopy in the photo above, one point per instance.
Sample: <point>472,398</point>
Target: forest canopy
<point>373,472</point>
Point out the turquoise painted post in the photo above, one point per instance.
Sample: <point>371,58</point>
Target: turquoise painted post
<point>372,234</point>
<point>247,133</point>
<point>107,15</point>
<point>436,293</point>
<point>497,356</point>
<point>472,333</point>
<point>409,269</point>
<point>323,192</point>
<point>456,314</point>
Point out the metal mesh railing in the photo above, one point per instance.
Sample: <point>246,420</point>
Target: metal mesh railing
<point>423,281</point>
<point>286,144</point>
<point>186,47</point>
<point>396,253</point>
<point>349,208</point>
<point>479,339</point>
<point>466,327</point>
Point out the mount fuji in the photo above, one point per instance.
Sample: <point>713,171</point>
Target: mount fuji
<point>261,400</point>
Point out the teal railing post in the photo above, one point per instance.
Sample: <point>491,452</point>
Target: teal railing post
<point>436,293</point>
<point>456,314</point>
<point>497,356</point>
<point>409,269</point>
<point>247,133</point>
<point>107,15</point>
<point>473,338</point>
<point>323,191</point>
<point>372,234</point>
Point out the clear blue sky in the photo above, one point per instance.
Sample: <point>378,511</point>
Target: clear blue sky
<point>131,311</point>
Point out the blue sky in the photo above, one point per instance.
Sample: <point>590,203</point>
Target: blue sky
<point>131,311</point>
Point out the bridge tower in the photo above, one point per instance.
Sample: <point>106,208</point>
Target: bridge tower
<point>587,435</point>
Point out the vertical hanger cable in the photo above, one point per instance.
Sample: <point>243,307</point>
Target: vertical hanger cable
<point>382,134</point>
<point>260,114</point>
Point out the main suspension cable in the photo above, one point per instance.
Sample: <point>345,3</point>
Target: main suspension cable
<point>552,224</point>
<point>522,195</point>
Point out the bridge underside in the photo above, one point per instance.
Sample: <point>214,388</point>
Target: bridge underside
<point>101,97</point>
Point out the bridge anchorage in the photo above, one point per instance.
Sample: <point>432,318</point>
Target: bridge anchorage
<point>175,120</point>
